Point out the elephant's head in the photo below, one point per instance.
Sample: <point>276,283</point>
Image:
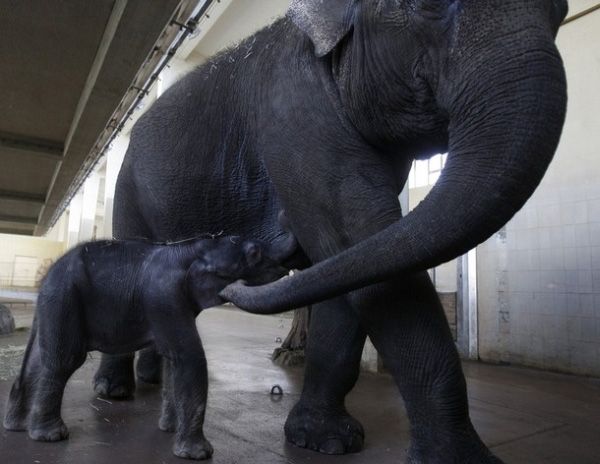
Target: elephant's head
<point>224,260</point>
<point>487,78</point>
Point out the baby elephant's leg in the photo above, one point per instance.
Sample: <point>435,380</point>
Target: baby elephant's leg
<point>62,352</point>
<point>168,416</point>
<point>190,388</point>
<point>21,393</point>
<point>45,422</point>
<point>178,341</point>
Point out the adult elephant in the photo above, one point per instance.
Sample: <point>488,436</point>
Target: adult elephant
<point>322,114</point>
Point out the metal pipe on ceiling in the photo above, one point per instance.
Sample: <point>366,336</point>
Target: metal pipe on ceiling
<point>581,14</point>
<point>185,30</point>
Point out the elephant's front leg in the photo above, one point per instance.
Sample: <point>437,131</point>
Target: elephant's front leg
<point>406,322</point>
<point>319,421</point>
<point>168,416</point>
<point>185,381</point>
<point>339,202</point>
<point>190,388</point>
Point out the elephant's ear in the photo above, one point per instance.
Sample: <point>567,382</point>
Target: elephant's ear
<point>326,22</point>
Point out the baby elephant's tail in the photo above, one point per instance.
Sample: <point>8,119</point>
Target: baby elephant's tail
<point>20,395</point>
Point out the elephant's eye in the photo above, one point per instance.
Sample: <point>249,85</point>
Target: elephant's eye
<point>231,272</point>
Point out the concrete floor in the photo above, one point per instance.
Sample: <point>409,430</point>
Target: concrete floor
<point>525,416</point>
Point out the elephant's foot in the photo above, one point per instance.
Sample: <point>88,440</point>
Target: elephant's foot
<point>334,433</point>
<point>167,422</point>
<point>148,367</point>
<point>115,379</point>
<point>55,431</point>
<point>464,449</point>
<point>444,457</point>
<point>198,449</point>
<point>288,357</point>
<point>15,424</point>
<point>15,419</point>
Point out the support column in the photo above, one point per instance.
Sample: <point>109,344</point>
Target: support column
<point>89,207</point>
<point>466,306</point>
<point>74,220</point>
<point>114,160</point>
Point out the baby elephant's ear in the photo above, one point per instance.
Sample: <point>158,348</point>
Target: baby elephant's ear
<point>326,22</point>
<point>253,253</point>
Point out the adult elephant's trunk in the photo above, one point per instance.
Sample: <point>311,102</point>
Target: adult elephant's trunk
<point>503,132</point>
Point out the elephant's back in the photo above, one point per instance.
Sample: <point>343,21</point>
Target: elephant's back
<point>192,166</point>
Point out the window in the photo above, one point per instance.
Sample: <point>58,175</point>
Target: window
<point>426,172</point>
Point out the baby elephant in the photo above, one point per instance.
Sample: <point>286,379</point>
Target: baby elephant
<point>119,296</point>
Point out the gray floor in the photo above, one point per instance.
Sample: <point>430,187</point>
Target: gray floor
<point>526,416</point>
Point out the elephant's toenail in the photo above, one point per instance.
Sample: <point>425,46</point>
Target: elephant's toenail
<point>332,446</point>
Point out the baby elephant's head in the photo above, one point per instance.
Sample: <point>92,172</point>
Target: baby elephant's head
<point>225,260</point>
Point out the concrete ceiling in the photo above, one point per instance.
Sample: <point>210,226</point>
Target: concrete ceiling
<point>65,68</point>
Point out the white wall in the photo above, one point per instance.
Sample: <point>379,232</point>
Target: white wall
<point>236,20</point>
<point>539,278</point>
<point>114,159</point>
<point>22,249</point>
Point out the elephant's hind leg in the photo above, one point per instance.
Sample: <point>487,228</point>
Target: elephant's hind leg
<point>149,366</point>
<point>320,421</point>
<point>115,378</point>
<point>46,423</point>
<point>23,389</point>
<point>62,352</point>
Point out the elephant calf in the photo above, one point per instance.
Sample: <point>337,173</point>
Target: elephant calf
<point>119,296</point>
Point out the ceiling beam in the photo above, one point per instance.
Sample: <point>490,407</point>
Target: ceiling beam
<point>23,197</point>
<point>46,148</point>
<point>10,231</point>
<point>19,219</point>
<point>107,38</point>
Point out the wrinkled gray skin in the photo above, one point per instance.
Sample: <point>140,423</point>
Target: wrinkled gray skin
<point>116,297</point>
<point>323,113</point>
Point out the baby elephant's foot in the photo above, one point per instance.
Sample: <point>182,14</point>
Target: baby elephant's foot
<point>17,409</point>
<point>333,433</point>
<point>167,423</point>
<point>54,431</point>
<point>451,457</point>
<point>198,449</point>
<point>15,421</point>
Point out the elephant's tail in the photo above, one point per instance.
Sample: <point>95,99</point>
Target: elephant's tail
<point>17,407</point>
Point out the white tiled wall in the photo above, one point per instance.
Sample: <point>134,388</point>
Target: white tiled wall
<point>539,278</point>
